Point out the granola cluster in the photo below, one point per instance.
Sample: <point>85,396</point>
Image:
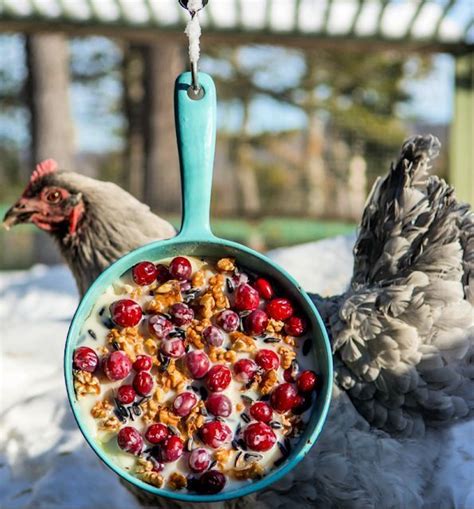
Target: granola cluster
<point>196,362</point>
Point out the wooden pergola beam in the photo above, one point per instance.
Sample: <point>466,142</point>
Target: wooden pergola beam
<point>147,34</point>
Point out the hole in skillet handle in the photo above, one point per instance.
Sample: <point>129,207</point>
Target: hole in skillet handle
<point>195,94</point>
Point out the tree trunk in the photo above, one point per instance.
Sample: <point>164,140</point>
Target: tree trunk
<point>162,181</point>
<point>246,176</point>
<point>314,178</point>
<point>52,128</point>
<point>134,63</point>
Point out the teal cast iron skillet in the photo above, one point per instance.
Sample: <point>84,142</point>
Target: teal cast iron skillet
<point>196,132</point>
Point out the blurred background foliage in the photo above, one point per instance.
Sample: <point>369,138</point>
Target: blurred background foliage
<point>302,133</point>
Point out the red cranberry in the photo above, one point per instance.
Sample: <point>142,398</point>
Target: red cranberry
<point>159,326</point>
<point>198,363</point>
<point>173,347</point>
<point>283,398</point>
<point>126,312</point>
<point>172,449</point>
<point>130,440</point>
<point>256,322</point>
<point>126,394</point>
<point>213,336</point>
<point>215,434</point>
<point>144,273</point>
<point>228,320</point>
<point>143,363</point>
<point>307,381</point>
<point>264,288</point>
<point>267,359</point>
<point>260,411</point>
<point>244,370</point>
<point>143,383</point>
<point>302,403</point>
<point>199,460</point>
<point>180,268</point>
<point>117,365</point>
<point>184,403</point>
<point>218,378</point>
<point>85,359</point>
<point>182,314</point>
<point>219,405</point>
<point>156,433</point>
<point>246,298</point>
<point>259,437</point>
<point>162,274</point>
<point>290,374</point>
<point>211,482</point>
<point>280,309</point>
<point>295,326</point>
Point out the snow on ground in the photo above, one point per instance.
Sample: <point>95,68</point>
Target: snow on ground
<point>44,461</point>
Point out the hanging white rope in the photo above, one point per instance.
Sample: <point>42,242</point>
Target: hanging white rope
<point>193,30</point>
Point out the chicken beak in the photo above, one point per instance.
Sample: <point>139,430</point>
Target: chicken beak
<point>17,214</point>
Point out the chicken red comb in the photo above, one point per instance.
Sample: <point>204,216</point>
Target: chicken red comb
<point>43,168</point>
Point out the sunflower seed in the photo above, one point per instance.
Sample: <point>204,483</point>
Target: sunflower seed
<point>245,313</point>
<point>238,429</point>
<point>249,456</point>
<point>115,345</point>
<point>271,340</point>
<point>190,444</point>
<point>136,410</point>
<point>307,346</point>
<point>287,444</point>
<point>194,388</point>
<point>246,399</point>
<point>235,444</point>
<point>177,333</point>
<point>230,285</point>
<point>203,392</point>
<point>282,448</point>
<point>265,397</point>
<point>245,417</point>
<point>212,465</point>
<point>237,458</point>
<point>108,323</point>
<point>279,461</point>
<point>102,311</point>
<point>92,334</point>
<point>173,429</point>
<point>276,425</point>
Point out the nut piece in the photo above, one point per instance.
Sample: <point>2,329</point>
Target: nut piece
<point>166,295</point>
<point>110,424</point>
<point>216,285</point>
<point>177,481</point>
<point>208,305</point>
<point>143,466</point>
<point>194,337</point>
<point>274,326</point>
<point>241,342</point>
<point>226,265</point>
<point>253,471</point>
<point>194,421</point>
<point>150,410</point>
<point>153,478</point>
<point>101,409</point>
<point>222,457</point>
<point>221,355</point>
<point>198,280</point>
<point>128,339</point>
<point>269,380</point>
<point>172,378</point>
<point>85,383</point>
<point>287,355</point>
<point>289,340</point>
<point>167,416</point>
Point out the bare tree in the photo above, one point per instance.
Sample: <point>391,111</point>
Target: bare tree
<point>163,64</point>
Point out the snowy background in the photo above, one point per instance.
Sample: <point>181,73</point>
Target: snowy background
<point>44,461</point>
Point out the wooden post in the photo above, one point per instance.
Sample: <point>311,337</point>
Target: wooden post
<point>461,173</point>
<point>52,128</point>
<point>51,121</point>
<point>133,72</point>
<point>162,189</point>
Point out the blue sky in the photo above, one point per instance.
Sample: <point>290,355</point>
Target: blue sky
<point>97,126</point>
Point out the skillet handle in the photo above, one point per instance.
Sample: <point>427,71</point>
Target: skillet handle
<point>196,135</point>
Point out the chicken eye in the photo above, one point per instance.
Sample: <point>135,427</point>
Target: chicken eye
<point>53,197</point>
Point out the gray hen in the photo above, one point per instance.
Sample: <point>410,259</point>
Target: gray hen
<point>403,333</point>
<point>93,222</point>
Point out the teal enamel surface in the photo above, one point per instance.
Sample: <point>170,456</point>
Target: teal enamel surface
<point>196,138</point>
